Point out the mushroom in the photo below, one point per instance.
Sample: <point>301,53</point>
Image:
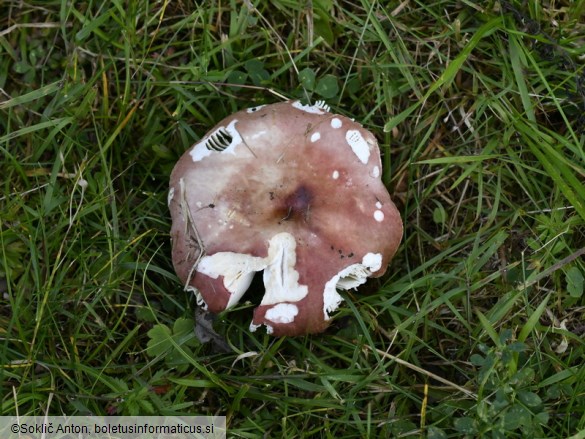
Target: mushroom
<point>291,190</point>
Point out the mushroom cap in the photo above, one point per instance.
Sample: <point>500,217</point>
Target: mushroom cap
<point>289,189</point>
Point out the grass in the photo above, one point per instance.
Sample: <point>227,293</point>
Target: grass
<point>476,330</point>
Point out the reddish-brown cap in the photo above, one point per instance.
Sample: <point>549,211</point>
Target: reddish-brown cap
<point>289,189</point>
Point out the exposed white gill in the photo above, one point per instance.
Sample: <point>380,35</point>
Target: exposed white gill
<point>351,276</point>
<point>331,299</point>
<point>323,106</point>
<point>313,109</point>
<point>358,145</point>
<point>198,297</point>
<point>222,140</point>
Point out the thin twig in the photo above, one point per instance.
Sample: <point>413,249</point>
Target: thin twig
<point>189,221</point>
<point>31,25</point>
<point>552,269</point>
<point>425,372</point>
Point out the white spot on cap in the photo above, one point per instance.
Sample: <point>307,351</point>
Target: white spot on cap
<point>170,196</point>
<point>315,136</point>
<point>336,123</point>
<point>376,172</point>
<point>358,145</point>
<point>313,109</point>
<point>378,205</point>
<point>379,216</point>
<point>282,313</point>
<point>200,150</point>
<point>335,175</point>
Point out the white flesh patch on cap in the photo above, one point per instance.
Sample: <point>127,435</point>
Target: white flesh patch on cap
<point>282,313</point>
<point>170,196</point>
<point>378,205</point>
<point>350,277</point>
<point>373,261</point>
<point>358,144</point>
<point>313,109</point>
<point>379,216</point>
<point>335,175</point>
<point>281,280</point>
<point>336,123</point>
<point>315,136</point>
<point>237,270</point>
<point>376,172</point>
<point>217,139</point>
<point>253,327</point>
